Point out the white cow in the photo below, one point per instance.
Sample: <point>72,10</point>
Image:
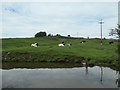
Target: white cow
<point>34,45</point>
<point>68,44</point>
<point>61,45</point>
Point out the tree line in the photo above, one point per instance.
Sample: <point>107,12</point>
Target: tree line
<point>43,34</point>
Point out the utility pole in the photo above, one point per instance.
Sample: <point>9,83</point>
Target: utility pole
<point>77,34</point>
<point>101,23</point>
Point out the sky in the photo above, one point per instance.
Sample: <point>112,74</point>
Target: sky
<point>78,19</point>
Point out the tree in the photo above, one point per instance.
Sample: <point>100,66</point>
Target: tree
<point>116,32</point>
<point>49,34</point>
<point>40,34</point>
<point>58,35</point>
<point>68,35</point>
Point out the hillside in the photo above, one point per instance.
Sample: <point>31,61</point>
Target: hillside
<point>19,49</point>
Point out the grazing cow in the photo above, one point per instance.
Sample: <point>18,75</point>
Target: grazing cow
<point>111,42</point>
<point>61,45</point>
<point>82,41</point>
<point>68,44</point>
<point>35,45</point>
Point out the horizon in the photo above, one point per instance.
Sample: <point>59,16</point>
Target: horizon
<point>58,37</point>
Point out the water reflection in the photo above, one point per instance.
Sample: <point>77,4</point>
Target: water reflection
<point>81,77</point>
<point>101,73</point>
<point>101,78</point>
<point>118,80</point>
<point>86,66</point>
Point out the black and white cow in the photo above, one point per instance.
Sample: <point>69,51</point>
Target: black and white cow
<point>35,45</point>
<point>82,41</point>
<point>61,45</point>
<point>111,42</point>
<point>68,44</point>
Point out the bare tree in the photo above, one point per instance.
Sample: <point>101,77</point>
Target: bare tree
<point>116,32</point>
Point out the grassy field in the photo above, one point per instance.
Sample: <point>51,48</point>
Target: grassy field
<point>19,49</point>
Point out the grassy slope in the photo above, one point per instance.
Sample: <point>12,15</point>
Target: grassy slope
<point>20,50</point>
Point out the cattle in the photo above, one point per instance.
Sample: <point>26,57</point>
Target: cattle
<point>82,41</point>
<point>61,45</point>
<point>64,44</point>
<point>111,42</point>
<point>68,44</point>
<point>35,45</point>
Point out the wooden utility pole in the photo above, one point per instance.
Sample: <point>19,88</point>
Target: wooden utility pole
<point>101,23</point>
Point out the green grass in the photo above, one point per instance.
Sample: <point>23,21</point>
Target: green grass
<point>20,50</point>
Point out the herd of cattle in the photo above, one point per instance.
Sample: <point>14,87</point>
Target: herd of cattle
<point>63,44</point>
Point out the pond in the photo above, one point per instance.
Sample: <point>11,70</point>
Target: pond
<point>58,77</point>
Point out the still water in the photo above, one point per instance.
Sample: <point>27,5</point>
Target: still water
<point>75,77</point>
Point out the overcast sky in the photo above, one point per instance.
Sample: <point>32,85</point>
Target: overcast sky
<point>25,19</point>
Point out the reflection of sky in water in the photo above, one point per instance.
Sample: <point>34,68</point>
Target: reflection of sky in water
<point>59,78</point>
<point>0,79</point>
